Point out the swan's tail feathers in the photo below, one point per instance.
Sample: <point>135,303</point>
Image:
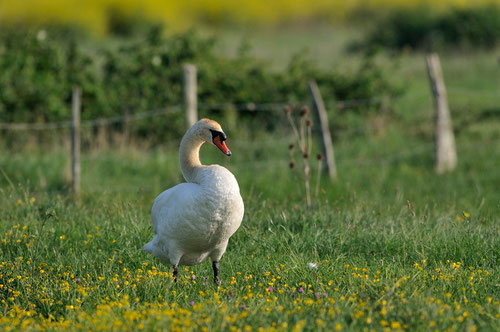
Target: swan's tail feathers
<point>148,247</point>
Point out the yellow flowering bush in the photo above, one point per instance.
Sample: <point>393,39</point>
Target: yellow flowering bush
<point>94,14</point>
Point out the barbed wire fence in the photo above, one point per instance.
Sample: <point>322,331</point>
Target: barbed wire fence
<point>188,108</point>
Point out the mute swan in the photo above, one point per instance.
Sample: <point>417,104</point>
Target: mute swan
<point>194,220</point>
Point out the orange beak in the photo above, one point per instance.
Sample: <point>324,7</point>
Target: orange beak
<point>222,146</point>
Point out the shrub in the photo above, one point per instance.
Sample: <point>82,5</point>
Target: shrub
<point>38,69</point>
<point>145,73</point>
<point>476,27</point>
<point>422,29</point>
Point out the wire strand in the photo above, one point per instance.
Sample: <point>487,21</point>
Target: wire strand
<point>89,123</point>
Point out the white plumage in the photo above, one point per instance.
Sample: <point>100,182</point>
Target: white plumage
<point>194,220</point>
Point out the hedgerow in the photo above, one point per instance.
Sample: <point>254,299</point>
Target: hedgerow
<point>424,29</point>
<point>40,67</point>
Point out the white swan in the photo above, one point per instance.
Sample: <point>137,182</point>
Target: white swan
<point>194,220</point>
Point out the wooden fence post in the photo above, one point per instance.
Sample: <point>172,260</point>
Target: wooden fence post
<point>75,140</point>
<point>190,98</point>
<point>323,129</point>
<point>445,152</point>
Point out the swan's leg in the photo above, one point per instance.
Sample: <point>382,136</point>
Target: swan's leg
<point>175,258</point>
<point>215,267</point>
<point>216,255</point>
<point>176,271</point>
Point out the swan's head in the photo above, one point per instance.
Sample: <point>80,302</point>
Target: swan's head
<point>210,131</point>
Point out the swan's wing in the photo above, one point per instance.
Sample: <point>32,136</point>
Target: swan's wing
<point>171,204</point>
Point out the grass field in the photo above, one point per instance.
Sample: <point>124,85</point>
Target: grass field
<point>390,245</point>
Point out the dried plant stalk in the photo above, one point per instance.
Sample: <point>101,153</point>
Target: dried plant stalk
<point>288,112</point>
<point>305,155</point>
<point>319,157</point>
<point>303,137</point>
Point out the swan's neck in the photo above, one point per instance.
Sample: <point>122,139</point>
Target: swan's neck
<point>189,156</point>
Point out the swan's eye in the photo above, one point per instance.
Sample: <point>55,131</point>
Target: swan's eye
<point>219,134</point>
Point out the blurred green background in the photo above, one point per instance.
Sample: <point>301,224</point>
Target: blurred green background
<point>388,214</point>
<point>127,57</point>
